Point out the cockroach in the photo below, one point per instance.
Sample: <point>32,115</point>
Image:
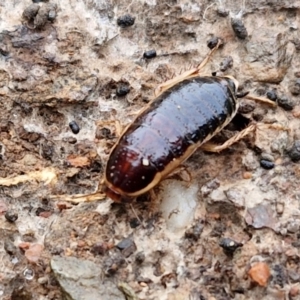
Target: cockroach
<point>186,113</point>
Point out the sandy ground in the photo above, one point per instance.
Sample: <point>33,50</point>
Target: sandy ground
<point>232,233</point>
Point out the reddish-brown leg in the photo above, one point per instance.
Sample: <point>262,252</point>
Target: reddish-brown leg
<point>187,74</point>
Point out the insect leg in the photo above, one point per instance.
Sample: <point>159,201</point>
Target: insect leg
<point>187,74</point>
<point>184,174</point>
<point>210,147</point>
<point>217,148</point>
<point>275,126</point>
<point>136,215</point>
<point>261,99</point>
<point>79,197</point>
<point>208,56</point>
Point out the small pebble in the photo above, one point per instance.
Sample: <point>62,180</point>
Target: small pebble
<point>194,232</point>
<point>112,265</point>
<point>296,42</point>
<point>43,280</point>
<point>239,28</point>
<point>247,175</point>
<point>63,205</point>
<point>41,18</point>
<point>73,245</point>
<point>266,164</point>
<point>11,216</point>
<point>246,106</point>
<point>294,276</point>
<point>4,50</point>
<point>3,208</point>
<point>143,280</point>
<point>285,103</point>
<point>52,15</point>
<point>294,292</point>
<point>122,90</point>
<point>134,222</point>
<point>292,226</point>
<point>226,63</point>
<point>28,275</point>
<point>279,275</point>
<point>140,257</point>
<point>24,245</point>
<point>260,273</point>
<point>294,153</point>
<point>229,245</point>
<point>143,284</point>
<point>127,246</point>
<point>33,254</point>
<point>125,21</point>
<point>9,247</point>
<point>39,210</point>
<point>296,112</point>
<point>295,87</point>
<point>47,151</point>
<point>258,114</point>
<point>57,251</point>
<point>209,187</point>
<point>29,236</point>
<point>104,133</point>
<point>267,156</point>
<point>260,91</point>
<point>272,95</point>
<point>250,161</point>
<point>74,127</point>
<point>45,214</point>
<point>70,140</point>
<point>212,42</point>
<point>81,244</point>
<point>279,208</point>
<point>31,11</point>
<point>149,54</point>
<point>14,260</point>
<point>222,12</point>
<point>100,248</point>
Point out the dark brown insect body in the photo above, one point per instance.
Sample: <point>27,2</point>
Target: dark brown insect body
<point>167,132</point>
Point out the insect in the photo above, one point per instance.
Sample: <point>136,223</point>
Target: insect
<point>187,112</point>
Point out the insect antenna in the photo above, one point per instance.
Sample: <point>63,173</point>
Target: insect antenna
<point>136,215</point>
<point>242,94</point>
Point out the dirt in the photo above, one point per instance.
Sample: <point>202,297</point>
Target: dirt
<point>66,63</point>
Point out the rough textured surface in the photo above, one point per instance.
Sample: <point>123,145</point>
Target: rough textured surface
<point>82,279</point>
<point>66,63</point>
